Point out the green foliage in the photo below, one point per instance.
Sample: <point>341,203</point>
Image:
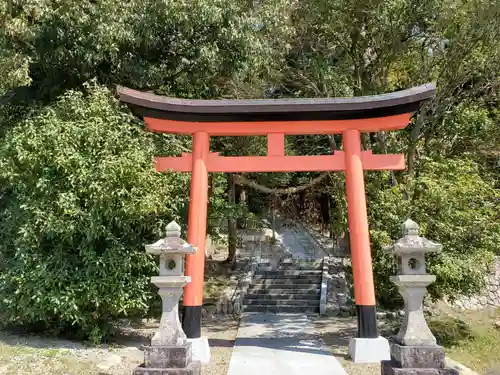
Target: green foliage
<point>78,194</point>
<point>454,205</point>
<point>182,48</point>
<point>80,199</point>
<point>348,47</point>
<point>450,331</point>
<point>353,47</point>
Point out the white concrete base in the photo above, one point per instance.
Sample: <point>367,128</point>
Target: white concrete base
<point>363,350</point>
<point>201,349</point>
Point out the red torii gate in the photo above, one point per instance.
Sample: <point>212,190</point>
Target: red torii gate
<point>277,118</point>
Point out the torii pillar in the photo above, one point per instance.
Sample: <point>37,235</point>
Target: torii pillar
<point>276,118</point>
<point>197,233</point>
<point>359,237</point>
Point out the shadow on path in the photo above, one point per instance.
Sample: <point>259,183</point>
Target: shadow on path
<point>285,344</point>
<point>290,344</point>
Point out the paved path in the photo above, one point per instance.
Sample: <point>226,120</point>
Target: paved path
<point>298,242</point>
<point>280,345</point>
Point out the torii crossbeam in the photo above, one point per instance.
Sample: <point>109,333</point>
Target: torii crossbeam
<point>276,118</point>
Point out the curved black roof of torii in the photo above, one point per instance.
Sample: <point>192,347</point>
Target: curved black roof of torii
<point>156,106</point>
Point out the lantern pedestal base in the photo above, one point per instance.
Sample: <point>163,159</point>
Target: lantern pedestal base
<point>193,369</point>
<point>412,360</point>
<point>201,349</point>
<point>390,368</point>
<point>362,350</point>
<point>430,356</point>
<point>168,360</point>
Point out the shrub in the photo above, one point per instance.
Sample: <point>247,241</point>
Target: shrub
<point>450,331</point>
<point>80,197</point>
<point>454,204</point>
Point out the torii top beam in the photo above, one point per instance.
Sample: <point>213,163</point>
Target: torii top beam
<point>277,118</point>
<point>280,116</point>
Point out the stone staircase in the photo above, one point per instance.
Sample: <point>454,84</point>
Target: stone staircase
<point>294,286</point>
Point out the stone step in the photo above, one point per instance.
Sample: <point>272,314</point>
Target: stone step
<point>309,262</point>
<point>280,302</point>
<point>314,291</point>
<point>285,288</point>
<point>287,279</point>
<point>298,267</point>
<point>284,296</point>
<point>302,263</point>
<point>282,309</point>
<point>302,280</point>
<point>288,273</point>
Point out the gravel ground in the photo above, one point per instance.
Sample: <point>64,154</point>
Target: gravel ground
<point>335,333</point>
<point>35,355</point>
<point>221,334</point>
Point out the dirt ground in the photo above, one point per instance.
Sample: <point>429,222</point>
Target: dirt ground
<point>468,337</point>
<point>335,334</point>
<point>34,355</point>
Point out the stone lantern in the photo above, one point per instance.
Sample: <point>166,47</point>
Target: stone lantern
<point>414,349</point>
<point>170,352</point>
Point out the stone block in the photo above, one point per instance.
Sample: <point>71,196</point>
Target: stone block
<point>393,368</point>
<point>163,356</point>
<point>418,356</point>
<point>194,368</point>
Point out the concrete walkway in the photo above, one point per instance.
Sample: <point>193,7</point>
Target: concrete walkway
<point>280,345</point>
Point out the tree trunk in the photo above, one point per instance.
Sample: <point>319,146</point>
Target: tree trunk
<point>332,142</point>
<point>382,142</point>
<point>273,220</point>
<point>324,204</point>
<point>231,225</point>
<point>412,147</point>
<point>241,199</point>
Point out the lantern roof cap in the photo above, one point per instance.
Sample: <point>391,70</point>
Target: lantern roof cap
<point>412,242</point>
<point>172,243</point>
